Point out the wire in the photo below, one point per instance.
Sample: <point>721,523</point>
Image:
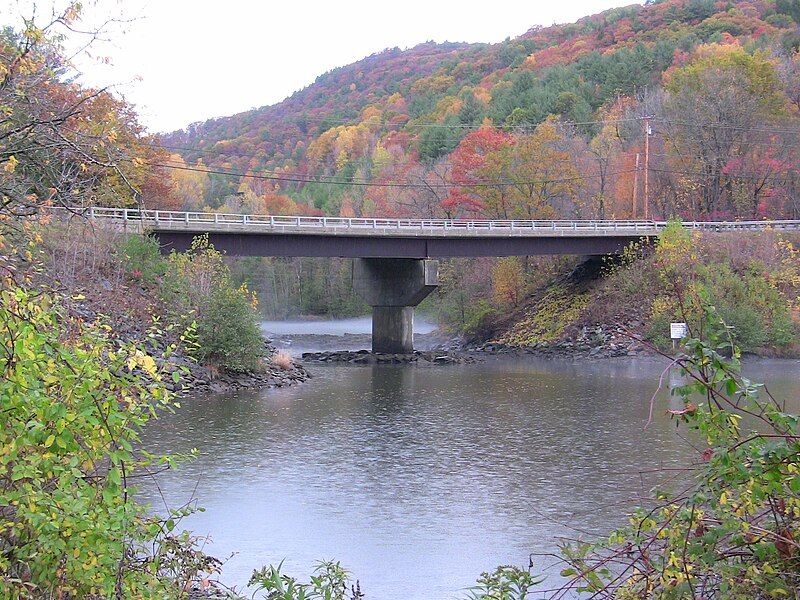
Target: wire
<point>734,127</point>
<point>223,151</point>
<point>722,175</point>
<point>364,183</point>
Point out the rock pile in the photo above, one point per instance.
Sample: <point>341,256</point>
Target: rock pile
<point>590,342</point>
<point>194,377</point>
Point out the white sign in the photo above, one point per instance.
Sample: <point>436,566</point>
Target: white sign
<point>678,331</point>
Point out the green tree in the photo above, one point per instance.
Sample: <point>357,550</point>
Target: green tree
<point>437,140</point>
<point>72,404</point>
<point>471,110</point>
<point>199,285</point>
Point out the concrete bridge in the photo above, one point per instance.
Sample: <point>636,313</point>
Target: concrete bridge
<point>395,266</point>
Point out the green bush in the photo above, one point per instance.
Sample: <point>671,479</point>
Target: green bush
<point>732,532</point>
<point>330,581</point>
<point>228,333</point>
<point>72,404</point>
<point>746,298</point>
<point>141,257</point>
<point>198,287</point>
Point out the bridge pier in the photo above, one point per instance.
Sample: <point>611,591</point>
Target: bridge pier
<point>393,287</point>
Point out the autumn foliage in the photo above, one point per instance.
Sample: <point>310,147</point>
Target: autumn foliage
<point>547,125</point>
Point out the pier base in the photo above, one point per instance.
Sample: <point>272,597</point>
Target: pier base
<point>393,287</point>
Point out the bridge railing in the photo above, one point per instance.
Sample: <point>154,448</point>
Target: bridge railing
<point>200,220</point>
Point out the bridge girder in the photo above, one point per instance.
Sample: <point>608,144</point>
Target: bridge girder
<point>298,245</point>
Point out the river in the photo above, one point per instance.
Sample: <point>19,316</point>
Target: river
<point>417,478</point>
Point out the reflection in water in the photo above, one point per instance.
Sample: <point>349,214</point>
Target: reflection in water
<point>419,478</point>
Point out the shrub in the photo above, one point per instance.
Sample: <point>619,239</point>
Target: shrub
<point>198,286</point>
<point>228,334</point>
<point>142,259</point>
<point>754,301</point>
<point>282,360</point>
<point>329,582</point>
<point>733,533</point>
<point>505,583</point>
<point>71,407</point>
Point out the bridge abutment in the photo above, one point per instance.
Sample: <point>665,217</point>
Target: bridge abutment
<point>393,287</point>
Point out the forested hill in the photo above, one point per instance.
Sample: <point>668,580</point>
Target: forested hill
<point>552,119</point>
<point>268,136</point>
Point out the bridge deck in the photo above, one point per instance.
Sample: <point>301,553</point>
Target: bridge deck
<point>269,235</point>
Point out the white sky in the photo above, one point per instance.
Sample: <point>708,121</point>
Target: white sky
<point>182,61</point>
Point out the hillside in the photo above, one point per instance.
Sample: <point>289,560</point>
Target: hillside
<point>551,124</point>
<point>574,90</point>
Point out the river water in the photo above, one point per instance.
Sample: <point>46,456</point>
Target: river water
<point>417,478</point>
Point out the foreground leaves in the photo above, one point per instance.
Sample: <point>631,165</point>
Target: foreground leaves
<point>72,404</point>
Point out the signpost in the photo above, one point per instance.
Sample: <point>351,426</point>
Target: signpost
<point>677,331</point>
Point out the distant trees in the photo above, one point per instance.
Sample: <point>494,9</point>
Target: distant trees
<point>189,186</point>
<point>502,176</point>
<point>715,109</point>
<point>547,125</point>
<point>60,142</point>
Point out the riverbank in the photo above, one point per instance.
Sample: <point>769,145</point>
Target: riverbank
<point>602,306</point>
<point>199,379</point>
<point>171,357</point>
<point>596,342</point>
<point>353,343</point>
<point>366,357</point>
<point>123,282</point>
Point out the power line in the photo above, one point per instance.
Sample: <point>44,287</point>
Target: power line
<point>732,127</point>
<point>724,175</point>
<point>527,127</point>
<point>392,184</point>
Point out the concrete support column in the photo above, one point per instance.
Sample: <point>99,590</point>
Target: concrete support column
<point>393,329</point>
<point>393,287</point>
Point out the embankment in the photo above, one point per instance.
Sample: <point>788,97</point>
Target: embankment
<point>620,306</point>
<point>121,281</point>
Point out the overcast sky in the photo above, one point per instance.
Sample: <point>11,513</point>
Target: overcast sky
<point>182,61</point>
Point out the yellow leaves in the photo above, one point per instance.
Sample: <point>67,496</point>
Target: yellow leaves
<point>11,164</point>
<point>143,361</point>
<point>251,296</point>
<point>72,13</point>
<point>723,498</point>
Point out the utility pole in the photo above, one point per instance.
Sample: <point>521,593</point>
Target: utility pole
<point>647,132</point>
<point>635,186</point>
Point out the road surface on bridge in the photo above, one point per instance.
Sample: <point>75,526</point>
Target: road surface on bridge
<point>271,235</point>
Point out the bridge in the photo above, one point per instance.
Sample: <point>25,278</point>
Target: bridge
<point>395,266</point>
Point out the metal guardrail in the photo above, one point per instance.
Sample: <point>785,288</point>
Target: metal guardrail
<point>200,221</point>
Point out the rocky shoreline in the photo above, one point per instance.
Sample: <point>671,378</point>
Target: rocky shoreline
<point>193,377</point>
<point>196,378</point>
<point>590,342</point>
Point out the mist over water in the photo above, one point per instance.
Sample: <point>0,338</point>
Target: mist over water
<point>300,336</point>
<point>358,325</point>
<point>417,478</point>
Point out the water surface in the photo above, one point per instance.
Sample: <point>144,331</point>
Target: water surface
<point>418,478</point>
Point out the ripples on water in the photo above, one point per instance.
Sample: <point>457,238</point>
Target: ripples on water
<point>419,478</point>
